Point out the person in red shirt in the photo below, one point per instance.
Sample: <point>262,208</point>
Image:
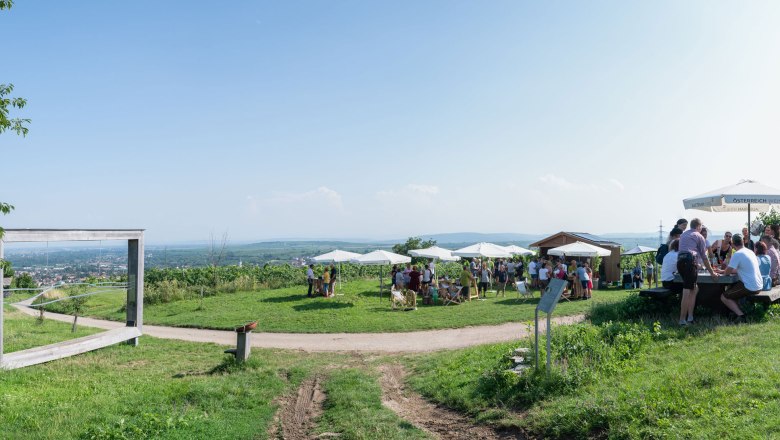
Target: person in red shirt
<point>414,279</point>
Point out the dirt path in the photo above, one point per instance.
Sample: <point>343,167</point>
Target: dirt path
<point>297,412</point>
<point>420,341</point>
<point>439,422</point>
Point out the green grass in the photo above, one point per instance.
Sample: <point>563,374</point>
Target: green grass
<point>165,389</point>
<point>22,332</point>
<point>160,389</point>
<point>714,380</point>
<point>354,408</point>
<point>358,310</point>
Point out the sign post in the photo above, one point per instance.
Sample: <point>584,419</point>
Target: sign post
<point>550,296</point>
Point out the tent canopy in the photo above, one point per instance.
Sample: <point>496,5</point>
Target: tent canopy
<point>735,198</point>
<point>518,250</point>
<point>487,250</point>
<point>639,250</point>
<point>336,256</point>
<point>380,257</point>
<point>579,249</point>
<point>435,252</point>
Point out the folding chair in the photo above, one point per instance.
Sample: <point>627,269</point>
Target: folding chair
<point>523,291</point>
<point>452,297</point>
<point>397,299</point>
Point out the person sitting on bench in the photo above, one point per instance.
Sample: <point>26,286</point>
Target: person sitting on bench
<point>669,267</point>
<point>745,265</point>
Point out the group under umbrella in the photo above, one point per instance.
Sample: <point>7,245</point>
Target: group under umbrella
<point>381,258</point>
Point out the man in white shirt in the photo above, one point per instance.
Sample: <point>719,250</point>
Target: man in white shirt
<point>310,278</point>
<point>532,271</point>
<point>745,265</point>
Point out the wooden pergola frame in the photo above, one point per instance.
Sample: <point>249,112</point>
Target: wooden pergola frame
<point>135,294</point>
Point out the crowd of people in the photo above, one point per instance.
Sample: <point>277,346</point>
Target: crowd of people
<point>324,285</point>
<point>478,272</point>
<point>482,274</point>
<point>756,265</point>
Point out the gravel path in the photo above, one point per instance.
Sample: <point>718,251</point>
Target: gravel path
<point>419,341</point>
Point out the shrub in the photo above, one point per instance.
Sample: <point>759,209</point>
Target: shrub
<point>580,354</point>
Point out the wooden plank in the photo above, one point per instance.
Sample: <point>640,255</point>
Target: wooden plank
<point>656,292</point>
<point>769,296</point>
<point>706,278</point>
<point>40,235</point>
<point>135,284</point>
<point>2,306</point>
<point>47,353</point>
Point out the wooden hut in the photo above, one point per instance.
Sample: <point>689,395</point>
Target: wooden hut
<point>610,265</point>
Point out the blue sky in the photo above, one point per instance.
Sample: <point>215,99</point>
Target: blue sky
<point>368,119</point>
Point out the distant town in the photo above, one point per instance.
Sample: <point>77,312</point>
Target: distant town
<point>52,265</point>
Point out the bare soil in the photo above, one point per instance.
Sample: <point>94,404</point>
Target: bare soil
<point>298,412</point>
<point>438,421</point>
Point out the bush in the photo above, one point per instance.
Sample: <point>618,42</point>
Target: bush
<point>634,308</point>
<point>581,353</point>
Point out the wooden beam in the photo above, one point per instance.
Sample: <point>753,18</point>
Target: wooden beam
<point>135,285</point>
<point>46,353</point>
<point>40,235</point>
<point>2,301</point>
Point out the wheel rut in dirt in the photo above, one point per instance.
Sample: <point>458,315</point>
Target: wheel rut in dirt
<point>298,412</point>
<point>438,421</point>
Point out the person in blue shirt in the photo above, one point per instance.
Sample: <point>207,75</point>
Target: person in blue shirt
<point>637,275</point>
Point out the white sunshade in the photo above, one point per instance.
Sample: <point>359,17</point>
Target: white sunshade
<point>579,249</point>
<point>435,252</point>
<point>735,198</point>
<point>336,256</point>
<point>639,250</point>
<point>379,257</point>
<point>518,250</point>
<point>488,250</point>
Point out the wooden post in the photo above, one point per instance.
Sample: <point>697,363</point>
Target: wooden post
<point>2,301</point>
<point>243,346</point>
<point>135,285</point>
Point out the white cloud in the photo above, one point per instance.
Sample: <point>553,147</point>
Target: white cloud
<point>561,183</point>
<point>409,194</point>
<point>618,184</point>
<point>323,193</point>
<point>556,181</point>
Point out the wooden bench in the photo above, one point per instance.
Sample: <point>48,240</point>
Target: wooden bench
<point>46,353</point>
<point>656,293</point>
<point>766,297</point>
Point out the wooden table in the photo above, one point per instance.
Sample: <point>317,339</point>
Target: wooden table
<point>710,289</point>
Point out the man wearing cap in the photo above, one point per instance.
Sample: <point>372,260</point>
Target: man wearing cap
<point>692,247</point>
<point>744,264</point>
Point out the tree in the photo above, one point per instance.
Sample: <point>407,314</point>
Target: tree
<point>24,281</point>
<point>413,243</point>
<point>7,103</point>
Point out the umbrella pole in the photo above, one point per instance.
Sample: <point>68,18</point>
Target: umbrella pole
<point>381,284</point>
<point>748,225</point>
<point>341,288</point>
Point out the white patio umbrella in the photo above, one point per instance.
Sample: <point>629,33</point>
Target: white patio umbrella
<point>746,195</point>
<point>518,250</point>
<point>434,252</point>
<point>381,258</point>
<point>579,249</point>
<point>644,250</point>
<point>639,250</point>
<point>336,256</point>
<point>487,250</point>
